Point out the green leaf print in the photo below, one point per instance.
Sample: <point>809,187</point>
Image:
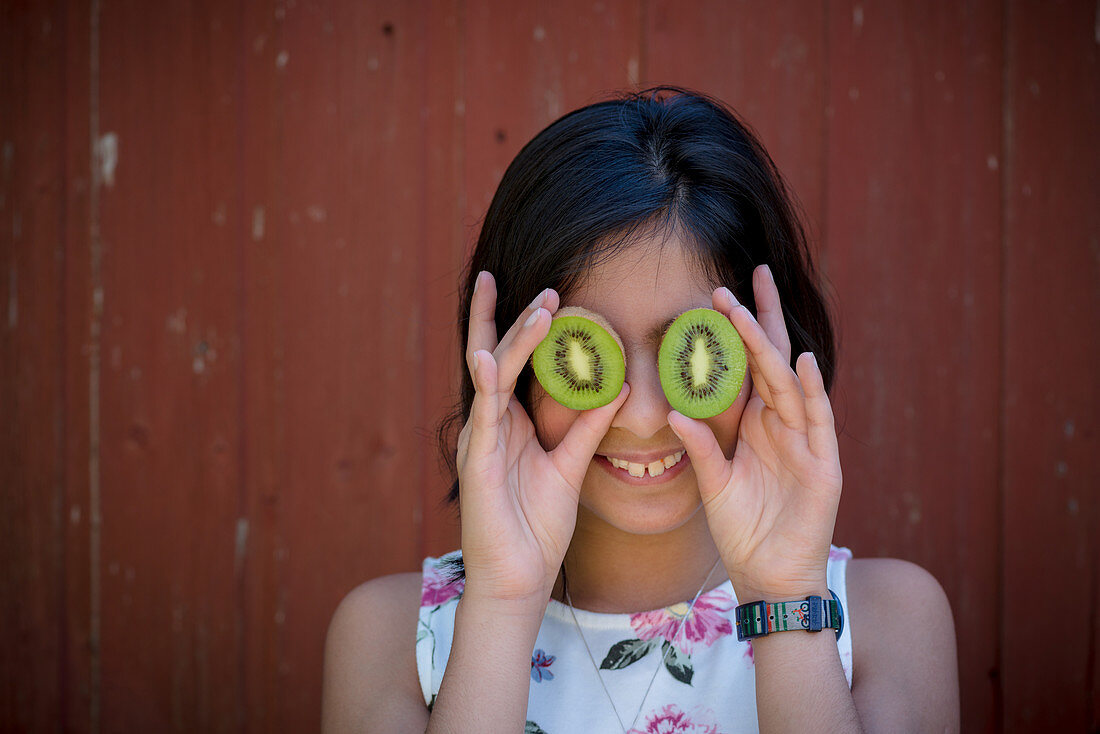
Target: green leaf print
<point>532,728</point>
<point>626,652</point>
<point>678,664</point>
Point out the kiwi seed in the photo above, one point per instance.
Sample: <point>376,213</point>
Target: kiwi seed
<point>580,363</point>
<point>701,363</point>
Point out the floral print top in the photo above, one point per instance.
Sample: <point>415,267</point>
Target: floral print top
<point>705,680</point>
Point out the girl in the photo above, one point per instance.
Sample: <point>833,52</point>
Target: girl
<point>604,552</point>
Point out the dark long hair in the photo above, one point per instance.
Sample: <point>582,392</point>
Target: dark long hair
<point>599,177</point>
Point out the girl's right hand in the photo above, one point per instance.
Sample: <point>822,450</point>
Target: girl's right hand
<point>518,502</point>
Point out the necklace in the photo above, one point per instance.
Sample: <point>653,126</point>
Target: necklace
<point>660,663</point>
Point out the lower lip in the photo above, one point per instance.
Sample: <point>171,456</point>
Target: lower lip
<point>645,480</point>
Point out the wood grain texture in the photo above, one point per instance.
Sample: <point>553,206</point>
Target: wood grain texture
<point>230,240</point>
<point>913,248</point>
<point>1051,401</point>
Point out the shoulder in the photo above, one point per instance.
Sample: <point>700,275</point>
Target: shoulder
<point>370,658</point>
<point>903,637</point>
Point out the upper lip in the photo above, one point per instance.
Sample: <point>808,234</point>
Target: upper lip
<point>645,458</point>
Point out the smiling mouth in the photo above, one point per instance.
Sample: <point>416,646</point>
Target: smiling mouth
<point>653,468</point>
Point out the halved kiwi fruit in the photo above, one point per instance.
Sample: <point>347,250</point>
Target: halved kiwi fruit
<point>580,363</point>
<point>701,363</point>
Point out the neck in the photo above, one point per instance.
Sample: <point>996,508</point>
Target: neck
<point>612,571</point>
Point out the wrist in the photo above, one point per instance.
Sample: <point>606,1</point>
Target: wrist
<point>789,589</point>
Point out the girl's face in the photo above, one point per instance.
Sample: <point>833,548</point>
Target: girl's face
<point>640,291</point>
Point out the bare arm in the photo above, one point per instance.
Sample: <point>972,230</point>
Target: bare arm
<point>370,682</point>
<point>905,673</point>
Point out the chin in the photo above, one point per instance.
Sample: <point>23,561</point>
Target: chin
<point>640,513</point>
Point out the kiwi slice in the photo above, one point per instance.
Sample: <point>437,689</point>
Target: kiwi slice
<point>580,363</point>
<point>701,363</point>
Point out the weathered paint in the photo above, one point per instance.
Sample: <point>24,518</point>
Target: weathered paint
<point>242,208</point>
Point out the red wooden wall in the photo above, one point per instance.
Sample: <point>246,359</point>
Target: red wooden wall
<point>231,235</point>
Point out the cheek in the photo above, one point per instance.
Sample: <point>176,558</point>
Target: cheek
<point>552,419</point>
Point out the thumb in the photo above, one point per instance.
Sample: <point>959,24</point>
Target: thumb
<point>573,455</point>
<point>712,469</point>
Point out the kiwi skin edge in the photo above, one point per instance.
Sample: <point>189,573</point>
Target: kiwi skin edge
<point>614,365</point>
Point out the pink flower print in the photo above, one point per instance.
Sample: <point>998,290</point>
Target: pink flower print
<point>705,624</point>
<point>671,720</point>
<point>749,653</point>
<point>437,588</point>
<point>540,666</point>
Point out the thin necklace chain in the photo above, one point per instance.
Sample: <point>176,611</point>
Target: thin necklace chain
<point>660,663</point>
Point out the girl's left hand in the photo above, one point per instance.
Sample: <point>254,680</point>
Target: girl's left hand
<point>772,507</point>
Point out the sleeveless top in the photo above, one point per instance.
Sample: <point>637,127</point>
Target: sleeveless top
<point>707,684</point>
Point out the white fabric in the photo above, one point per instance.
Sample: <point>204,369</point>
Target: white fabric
<point>565,696</point>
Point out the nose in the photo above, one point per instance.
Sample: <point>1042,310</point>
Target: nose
<point>645,411</point>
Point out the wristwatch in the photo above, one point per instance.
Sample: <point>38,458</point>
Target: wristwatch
<point>812,614</point>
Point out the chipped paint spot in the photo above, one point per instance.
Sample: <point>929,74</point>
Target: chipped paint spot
<point>992,163</point>
<point>74,515</point>
<point>1069,429</point>
<point>241,545</point>
<point>281,59</point>
<point>632,70</point>
<point>280,617</point>
<point>460,107</point>
<point>198,365</point>
<point>940,76</point>
<point>135,373</point>
<point>853,93</point>
<point>372,64</point>
<point>1072,507</point>
<point>116,357</point>
<point>219,214</point>
<point>258,223</point>
<point>113,568</point>
<point>857,17</point>
<point>316,213</point>
<point>539,33</point>
<point>1061,469</point>
<point>13,298</point>
<point>97,298</point>
<point>177,322</point>
<point>259,42</point>
<point>106,154</point>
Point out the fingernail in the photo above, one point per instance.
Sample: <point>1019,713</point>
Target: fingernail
<point>730,297</point>
<point>477,281</point>
<point>538,300</point>
<point>532,318</point>
<point>769,272</point>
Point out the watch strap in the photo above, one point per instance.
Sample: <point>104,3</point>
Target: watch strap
<point>811,614</point>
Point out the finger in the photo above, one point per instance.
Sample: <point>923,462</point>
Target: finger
<point>712,469</point>
<point>482,333</point>
<point>724,302</point>
<point>574,452</point>
<point>821,426</point>
<point>517,345</point>
<point>773,370</point>
<point>484,416</point>
<point>769,311</point>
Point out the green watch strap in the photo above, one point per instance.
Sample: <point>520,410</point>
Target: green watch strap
<point>812,614</point>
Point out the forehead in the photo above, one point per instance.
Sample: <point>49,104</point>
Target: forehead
<point>647,282</point>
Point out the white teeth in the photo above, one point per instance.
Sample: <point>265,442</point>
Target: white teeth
<point>655,468</point>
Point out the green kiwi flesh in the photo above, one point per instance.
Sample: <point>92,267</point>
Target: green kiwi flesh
<point>701,363</point>
<point>580,363</point>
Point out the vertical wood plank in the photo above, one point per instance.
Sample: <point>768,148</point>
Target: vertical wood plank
<point>912,235</point>
<point>1051,469</point>
<point>527,67</point>
<point>169,380</point>
<point>32,365</point>
<point>765,61</point>
<point>353,158</point>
